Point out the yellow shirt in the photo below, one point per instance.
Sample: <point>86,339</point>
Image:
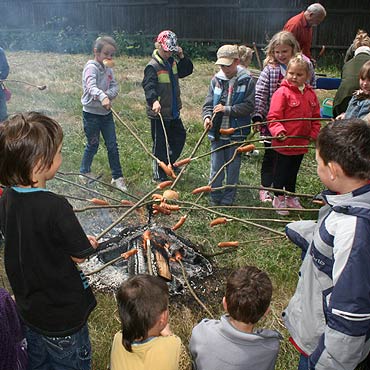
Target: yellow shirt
<point>160,353</point>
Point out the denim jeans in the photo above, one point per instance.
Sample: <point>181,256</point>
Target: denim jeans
<point>72,352</point>
<point>303,363</point>
<point>232,170</point>
<point>95,124</point>
<point>3,111</point>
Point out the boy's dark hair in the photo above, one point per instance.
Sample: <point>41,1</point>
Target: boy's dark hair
<point>27,140</point>
<point>104,40</point>
<point>248,294</point>
<point>346,142</point>
<point>141,299</point>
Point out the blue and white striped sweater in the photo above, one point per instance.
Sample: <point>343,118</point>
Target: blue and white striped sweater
<point>329,315</point>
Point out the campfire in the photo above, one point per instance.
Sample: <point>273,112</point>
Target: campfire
<point>154,250</point>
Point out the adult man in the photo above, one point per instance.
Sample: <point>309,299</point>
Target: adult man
<point>301,26</point>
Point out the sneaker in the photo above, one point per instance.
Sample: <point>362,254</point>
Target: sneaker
<point>293,202</point>
<point>87,178</point>
<point>279,202</point>
<point>119,183</point>
<point>265,196</point>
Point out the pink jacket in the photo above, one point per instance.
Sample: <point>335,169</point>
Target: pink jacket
<point>289,102</point>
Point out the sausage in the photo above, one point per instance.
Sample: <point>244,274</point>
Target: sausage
<point>246,148</point>
<point>178,255</point>
<point>157,197</point>
<point>182,162</point>
<point>146,235</point>
<point>164,184</point>
<point>227,131</point>
<point>99,202</point>
<point>171,207</point>
<point>202,189</point>
<point>173,175</point>
<point>228,244</point>
<point>160,209</point>
<point>218,221</point>
<point>179,223</point>
<point>129,253</point>
<point>126,202</point>
<point>164,167</point>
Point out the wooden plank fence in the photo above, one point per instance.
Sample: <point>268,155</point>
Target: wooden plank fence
<point>241,21</point>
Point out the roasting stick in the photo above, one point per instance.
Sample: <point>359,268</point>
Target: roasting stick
<point>165,138</point>
<point>85,188</point>
<point>192,290</point>
<point>40,87</point>
<point>138,204</point>
<point>98,181</point>
<point>160,163</point>
<point>191,156</point>
<point>257,56</point>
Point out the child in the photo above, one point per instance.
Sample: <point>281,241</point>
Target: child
<point>328,316</point>
<point>233,342</point>
<point>281,48</point>
<point>146,341</point>
<point>43,240</point>
<point>293,99</point>
<point>162,93</point>
<point>99,89</point>
<point>4,71</point>
<point>231,98</point>
<point>359,105</point>
<point>245,56</point>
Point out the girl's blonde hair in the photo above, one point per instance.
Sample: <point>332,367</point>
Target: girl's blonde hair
<point>245,55</point>
<point>280,38</point>
<point>299,61</point>
<point>104,40</point>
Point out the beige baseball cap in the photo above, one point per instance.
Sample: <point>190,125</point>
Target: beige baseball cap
<point>226,55</point>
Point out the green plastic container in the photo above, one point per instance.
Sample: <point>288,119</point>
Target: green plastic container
<point>327,107</point>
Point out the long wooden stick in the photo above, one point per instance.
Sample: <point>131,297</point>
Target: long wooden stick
<point>257,56</point>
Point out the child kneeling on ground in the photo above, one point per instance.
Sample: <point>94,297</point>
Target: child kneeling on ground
<point>328,316</point>
<point>146,341</point>
<point>233,342</point>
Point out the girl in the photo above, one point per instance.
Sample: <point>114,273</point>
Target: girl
<point>245,56</point>
<point>359,105</point>
<point>281,48</point>
<point>294,99</point>
<point>99,89</point>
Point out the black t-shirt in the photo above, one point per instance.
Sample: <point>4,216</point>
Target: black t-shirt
<point>41,234</point>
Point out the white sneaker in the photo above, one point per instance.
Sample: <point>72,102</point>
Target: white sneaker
<point>119,183</point>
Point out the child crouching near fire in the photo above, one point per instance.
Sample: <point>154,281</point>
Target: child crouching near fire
<point>233,342</point>
<point>43,242</point>
<point>294,99</point>
<point>328,316</point>
<point>146,341</point>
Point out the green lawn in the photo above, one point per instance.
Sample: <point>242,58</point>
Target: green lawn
<point>281,259</point>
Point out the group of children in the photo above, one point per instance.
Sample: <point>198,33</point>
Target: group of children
<point>328,316</point>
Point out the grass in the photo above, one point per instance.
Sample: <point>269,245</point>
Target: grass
<point>281,259</point>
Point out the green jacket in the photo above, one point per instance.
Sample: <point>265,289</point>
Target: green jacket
<point>350,82</point>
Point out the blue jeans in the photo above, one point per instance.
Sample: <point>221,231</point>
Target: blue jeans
<point>95,124</point>
<point>3,111</point>
<point>72,352</point>
<point>232,170</point>
<point>303,363</point>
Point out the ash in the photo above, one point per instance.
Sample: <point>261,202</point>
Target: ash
<point>159,256</point>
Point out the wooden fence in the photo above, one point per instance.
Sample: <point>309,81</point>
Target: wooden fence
<point>242,21</point>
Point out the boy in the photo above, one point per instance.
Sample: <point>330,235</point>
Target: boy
<point>146,341</point>
<point>230,101</point>
<point>162,94</point>
<point>232,342</point>
<point>329,315</point>
<point>43,240</point>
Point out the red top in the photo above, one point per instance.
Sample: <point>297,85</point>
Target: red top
<point>302,31</point>
<point>289,102</point>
